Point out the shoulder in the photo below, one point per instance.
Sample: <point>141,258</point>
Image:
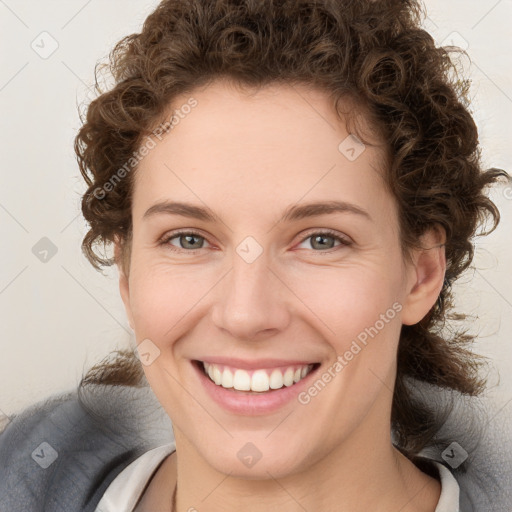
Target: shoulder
<point>474,444</point>
<point>62,454</point>
<point>125,491</point>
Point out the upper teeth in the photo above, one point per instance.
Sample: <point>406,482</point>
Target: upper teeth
<point>260,380</point>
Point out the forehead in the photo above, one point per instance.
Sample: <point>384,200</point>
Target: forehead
<point>257,147</point>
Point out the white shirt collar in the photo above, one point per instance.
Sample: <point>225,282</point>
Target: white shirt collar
<point>125,490</point>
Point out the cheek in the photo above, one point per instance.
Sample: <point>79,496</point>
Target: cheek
<point>350,301</point>
<point>358,314</point>
<point>343,302</point>
<point>164,297</point>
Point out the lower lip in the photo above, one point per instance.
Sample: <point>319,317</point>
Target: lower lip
<point>251,404</point>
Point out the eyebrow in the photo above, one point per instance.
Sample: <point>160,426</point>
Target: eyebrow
<point>292,213</point>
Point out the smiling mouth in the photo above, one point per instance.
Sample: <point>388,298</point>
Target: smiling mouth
<point>262,380</point>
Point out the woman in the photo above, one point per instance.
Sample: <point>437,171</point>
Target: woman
<point>290,189</point>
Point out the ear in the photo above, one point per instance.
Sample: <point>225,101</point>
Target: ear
<point>425,276</point>
<point>124,283</point>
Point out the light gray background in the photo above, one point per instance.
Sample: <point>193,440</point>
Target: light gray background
<point>59,317</point>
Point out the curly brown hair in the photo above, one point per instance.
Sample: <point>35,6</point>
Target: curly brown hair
<point>374,54</point>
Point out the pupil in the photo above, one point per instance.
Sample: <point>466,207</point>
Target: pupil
<point>321,240</point>
<point>190,237</point>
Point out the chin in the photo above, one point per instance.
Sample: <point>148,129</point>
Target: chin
<point>258,460</point>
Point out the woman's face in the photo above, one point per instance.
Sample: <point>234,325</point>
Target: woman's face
<point>267,281</point>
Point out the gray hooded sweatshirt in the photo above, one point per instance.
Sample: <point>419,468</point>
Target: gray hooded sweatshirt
<point>61,454</point>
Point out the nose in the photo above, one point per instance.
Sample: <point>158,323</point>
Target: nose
<point>252,302</point>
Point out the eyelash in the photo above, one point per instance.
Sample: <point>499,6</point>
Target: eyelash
<point>345,242</point>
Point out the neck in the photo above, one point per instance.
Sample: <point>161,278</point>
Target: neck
<point>363,473</point>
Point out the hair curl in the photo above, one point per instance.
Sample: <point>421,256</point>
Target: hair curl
<point>374,53</point>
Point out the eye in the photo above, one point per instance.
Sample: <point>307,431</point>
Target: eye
<point>191,241</point>
<point>187,240</point>
<point>325,240</point>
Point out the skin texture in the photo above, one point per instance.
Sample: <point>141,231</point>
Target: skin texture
<point>248,157</point>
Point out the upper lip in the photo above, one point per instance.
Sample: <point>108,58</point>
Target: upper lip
<point>254,364</point>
